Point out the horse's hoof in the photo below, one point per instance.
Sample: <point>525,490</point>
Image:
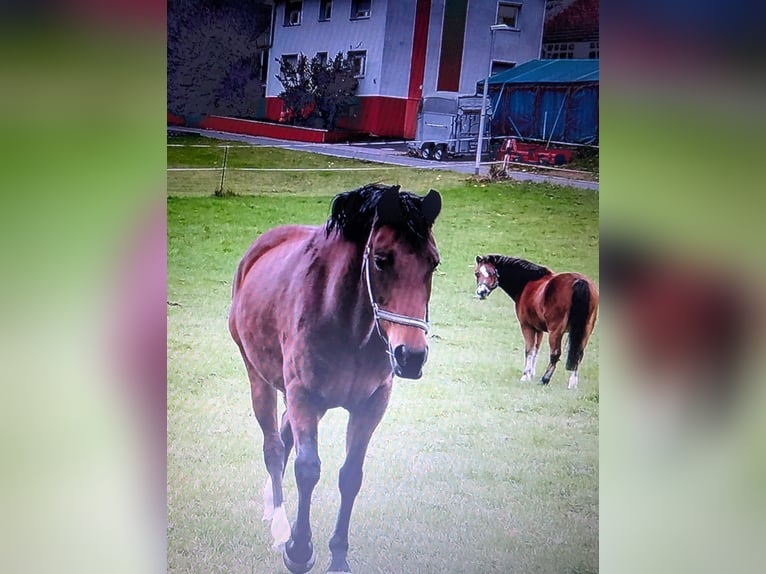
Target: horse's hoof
<point>525,378</point>
<point>298,567</point>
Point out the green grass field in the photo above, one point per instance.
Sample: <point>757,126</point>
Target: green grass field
<point>470,470</point>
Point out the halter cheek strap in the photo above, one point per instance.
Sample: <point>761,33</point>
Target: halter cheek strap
<point>495,277</point>
<point>381,314</point>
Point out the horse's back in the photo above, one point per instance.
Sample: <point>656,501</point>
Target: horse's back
<point>546,301</point>
<point>564,289</point>
<point>278,238</point>
<point>564,283</point>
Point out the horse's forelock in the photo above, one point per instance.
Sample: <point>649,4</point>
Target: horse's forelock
<point>352,213</point>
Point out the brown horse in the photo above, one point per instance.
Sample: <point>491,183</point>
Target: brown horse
<point>326,316</point>
<point>545,302</point>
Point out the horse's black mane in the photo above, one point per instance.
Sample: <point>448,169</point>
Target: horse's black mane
<point>514,273</point>
<point>353,212</point>
<point>520,266</point>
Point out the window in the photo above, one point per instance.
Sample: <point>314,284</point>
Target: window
<point>360,9</point>
<point>508,14</point>
<point>322,57</point>
<point>293,13</point>
<point>593,54</point>
<point>325,10</point>
<point>558,51</point>
<point>358,63</point>
<point>264,65</point>
<point>291,59</point>
<point>501,66</point>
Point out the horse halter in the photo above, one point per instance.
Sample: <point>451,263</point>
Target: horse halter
<point>379,313</point>
<point>494,275</point>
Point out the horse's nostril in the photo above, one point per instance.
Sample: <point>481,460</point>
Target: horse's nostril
<point>400,354</point>
<point>406,357</point>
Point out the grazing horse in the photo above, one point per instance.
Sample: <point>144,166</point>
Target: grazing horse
<point>545,302</point>
<point>326,316</point>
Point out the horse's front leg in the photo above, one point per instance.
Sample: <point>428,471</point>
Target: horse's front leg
<point>303,416</point>
<point>531,345</point>
<point>361,424</point>
<point>264,400</point>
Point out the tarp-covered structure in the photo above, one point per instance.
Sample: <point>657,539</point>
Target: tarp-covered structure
<point>551,100</point>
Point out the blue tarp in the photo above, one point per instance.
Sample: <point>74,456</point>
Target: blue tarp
<point>553,100</point>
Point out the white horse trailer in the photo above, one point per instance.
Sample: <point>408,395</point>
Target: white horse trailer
<point>448,125</point>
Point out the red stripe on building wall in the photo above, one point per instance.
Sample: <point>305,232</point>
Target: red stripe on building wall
<point>419,45</point>
<point>376,115</point>
<point>271,130</point>
<point>417,66</point>
<point>453,38</point>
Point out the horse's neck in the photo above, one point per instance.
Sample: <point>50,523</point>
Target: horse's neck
<point>513,289</point>
<point>354,310</point>
<point>512,280</point>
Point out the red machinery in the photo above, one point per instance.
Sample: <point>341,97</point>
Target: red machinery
<point>512,150</point>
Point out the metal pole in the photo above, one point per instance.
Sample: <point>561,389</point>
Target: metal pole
<point>482,119</point>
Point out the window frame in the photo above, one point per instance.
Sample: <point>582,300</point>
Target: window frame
<point>323,5</point>
<point>516,6</point>
<point>505,64</point>
<point>355,11</point>
<point>290,10</point>
<point>292,58</point>
<point>351,54</point>
<point>558,51</point>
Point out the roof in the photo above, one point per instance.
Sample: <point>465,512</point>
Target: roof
<point>572,21</point>
<point>549,72</point>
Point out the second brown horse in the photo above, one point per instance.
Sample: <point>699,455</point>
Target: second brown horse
<point>550,302</point>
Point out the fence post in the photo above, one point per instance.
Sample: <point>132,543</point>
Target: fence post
<point>223,169</point>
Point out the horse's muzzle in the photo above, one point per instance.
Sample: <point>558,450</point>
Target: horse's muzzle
<point>482,291</point>
<point>408,363</point>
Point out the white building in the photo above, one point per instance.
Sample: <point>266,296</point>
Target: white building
<point>404,49</point>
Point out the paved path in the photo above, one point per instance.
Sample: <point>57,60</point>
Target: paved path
<point>388,152</point>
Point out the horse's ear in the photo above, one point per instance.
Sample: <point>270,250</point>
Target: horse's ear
<point>479,259</point>
<point>389,209</point>
<point>431,206</point>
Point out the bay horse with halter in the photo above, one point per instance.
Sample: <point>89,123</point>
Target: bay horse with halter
<point>326,316</point>
<point>545,302</point>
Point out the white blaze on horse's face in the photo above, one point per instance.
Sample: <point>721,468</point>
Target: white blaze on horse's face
<point>482,273</point>
<point>401,276</point>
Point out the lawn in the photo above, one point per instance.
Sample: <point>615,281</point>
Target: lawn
<point>470,470</point>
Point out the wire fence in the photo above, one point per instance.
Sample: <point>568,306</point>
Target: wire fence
<point>246,169</point>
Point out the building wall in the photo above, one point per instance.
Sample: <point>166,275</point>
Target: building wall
<point>340,34</point>
<point>406,45</point>
<point>397,48</point>
<point>513,46</point>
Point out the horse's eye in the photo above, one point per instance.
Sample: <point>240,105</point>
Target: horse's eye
<point>382,262</point>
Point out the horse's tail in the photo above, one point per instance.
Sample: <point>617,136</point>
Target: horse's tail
<point>578,321</point>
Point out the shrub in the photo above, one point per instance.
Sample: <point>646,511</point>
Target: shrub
<point>317,90</point>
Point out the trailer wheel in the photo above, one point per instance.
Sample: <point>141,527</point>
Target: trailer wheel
<point>426,152</point>
<point>560,159</point>
<point>440,153</point>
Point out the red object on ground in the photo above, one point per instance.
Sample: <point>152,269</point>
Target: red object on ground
<point>533,153</point>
